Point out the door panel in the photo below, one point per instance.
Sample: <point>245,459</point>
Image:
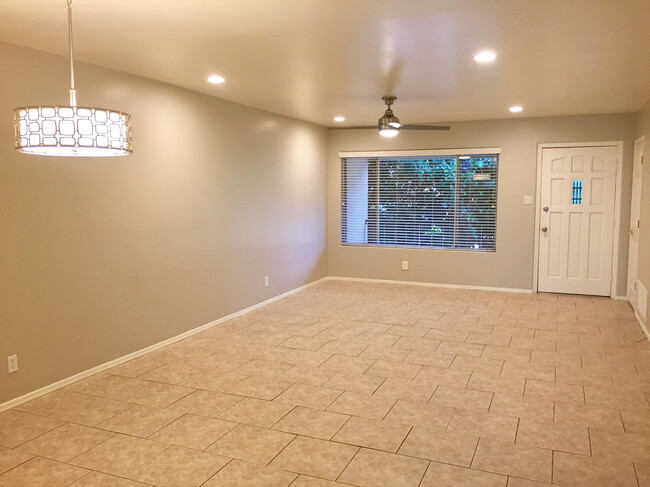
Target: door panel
<point>577,197</point>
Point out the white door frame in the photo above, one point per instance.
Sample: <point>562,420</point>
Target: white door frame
<point>638,141</point>
<point>617,205</point>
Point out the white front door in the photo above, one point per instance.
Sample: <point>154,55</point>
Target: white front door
<point>635,216</point>
<point>577,200</point>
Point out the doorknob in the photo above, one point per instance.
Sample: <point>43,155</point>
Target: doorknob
<point>545,209</point>
<point>631,231</point>
<point>544,229</point>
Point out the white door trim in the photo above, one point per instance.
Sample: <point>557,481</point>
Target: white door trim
<point>617,203</point>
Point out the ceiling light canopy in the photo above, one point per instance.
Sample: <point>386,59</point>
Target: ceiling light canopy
<point>72,131</point>
<point>516,108</point>
<point>215,79</point>
<point>485,56</point>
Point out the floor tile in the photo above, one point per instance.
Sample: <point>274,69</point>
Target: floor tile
<point>309,396</point>
<point>352,349</point>
<point>484,425</point>
<point>517,460</point>
<point>461,398</point>
<point>405,389</point>
<point>97,479</point>
<point>256,412</point>
<point>143,392</point>
<point>306,358</point>
<point>387,368</point>
<point>373,433</point>
<point>365,384</point>
<point>305,343</point>
<point>636,421</point>
<point>522,407</point>
<point>643,474</point>
<point>179,467</point>
<point>140,421</point>
<point>356,404</point>
<point>304,481</point>
<point>204,403</point>
<point>120,455</point>
<point>260,388</point>
<point>17,428</point>
<point>311,422</point>
<point>583,471</point>
<point>589,416</point>
<point>428,416</point>
<point>619,446</point>
<point>50,403</point>
<point>192,431</point>
<point>439,446</point>
<point>66,442</point>
<point>443,475</point>
<point>537,389</point>
<point>347,364</point>
<point>316,458</point>
<point>41,472</point>
<point>371,468</point>
<point>307,375</point>
<point>565,437</point>
<point>11,458</point>
<point>458,348</point>
<point>92,410</point>
<point>251,444</point>
<point>242,474</point>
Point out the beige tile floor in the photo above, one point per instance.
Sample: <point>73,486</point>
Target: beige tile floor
<point>349,383</point>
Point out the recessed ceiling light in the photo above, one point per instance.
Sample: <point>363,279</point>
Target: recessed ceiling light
<point>215,79</point>
<point>485,56</point>
<point>516,108</point>
<point>339,119</point>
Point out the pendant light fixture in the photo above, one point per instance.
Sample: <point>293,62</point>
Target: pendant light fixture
<point>72,131</point>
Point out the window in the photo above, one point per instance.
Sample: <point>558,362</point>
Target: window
<point>428,201</point>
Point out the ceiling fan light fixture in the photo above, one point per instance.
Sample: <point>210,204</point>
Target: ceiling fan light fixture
<point>72,131</point>
<point>388,131</point>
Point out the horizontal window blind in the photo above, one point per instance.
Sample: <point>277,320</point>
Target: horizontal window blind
<point>446,202</point>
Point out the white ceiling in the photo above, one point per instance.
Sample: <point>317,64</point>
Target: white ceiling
<point>313,59</point>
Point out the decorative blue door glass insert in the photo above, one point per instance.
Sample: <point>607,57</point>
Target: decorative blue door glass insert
<point>576,198</point>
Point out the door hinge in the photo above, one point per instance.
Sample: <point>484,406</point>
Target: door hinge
<point>635,286</point>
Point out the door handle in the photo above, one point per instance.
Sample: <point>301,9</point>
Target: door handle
<point>544,229</point>
<point>545,209</point>
<point>631,231</point>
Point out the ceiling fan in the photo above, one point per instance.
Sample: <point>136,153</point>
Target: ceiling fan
<point>389,125</point>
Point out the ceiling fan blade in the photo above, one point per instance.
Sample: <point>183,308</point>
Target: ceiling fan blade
<point>356,127</point>
<point>424,127</point>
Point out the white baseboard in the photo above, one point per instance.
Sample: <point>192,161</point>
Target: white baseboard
<point>433,284</point>
<point>641,324</point>
<point>100,368</point>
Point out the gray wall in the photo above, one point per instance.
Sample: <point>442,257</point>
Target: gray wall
<point>643,129</point>
<point>511,266</point>
<point>102,257</point>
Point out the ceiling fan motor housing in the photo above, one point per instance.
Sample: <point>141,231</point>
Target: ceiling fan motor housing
<point>388,120</point>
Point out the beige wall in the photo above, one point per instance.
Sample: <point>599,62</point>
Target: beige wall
<point>102,257</point>
<point>511,266</point>
<point>643,129</point>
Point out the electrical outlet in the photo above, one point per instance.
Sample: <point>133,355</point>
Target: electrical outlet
<point>12,364</point>
<point>405,265</point>
<point>266,281</point>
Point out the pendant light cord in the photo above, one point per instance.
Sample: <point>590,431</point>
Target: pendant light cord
<point>73,92</point>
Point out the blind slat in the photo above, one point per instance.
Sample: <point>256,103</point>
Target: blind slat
<point>424,202</point>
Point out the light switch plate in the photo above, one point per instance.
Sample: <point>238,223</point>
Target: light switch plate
<point>528,200</point>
